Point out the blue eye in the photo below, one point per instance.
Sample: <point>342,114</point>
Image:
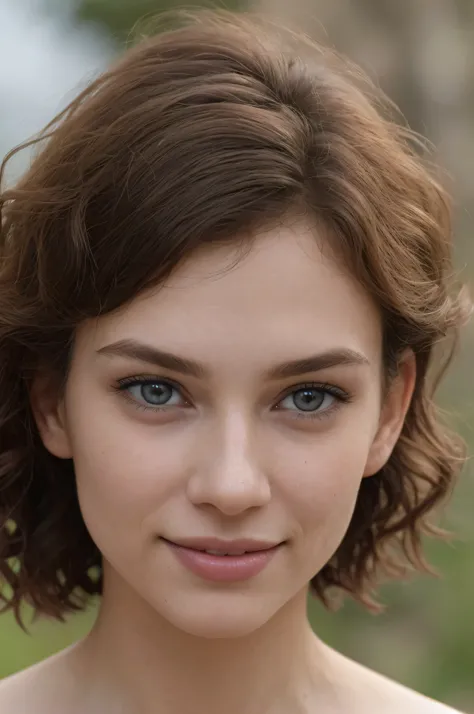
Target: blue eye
<point>152,393</point>
<point>308,399</point>
<point>313,401</point>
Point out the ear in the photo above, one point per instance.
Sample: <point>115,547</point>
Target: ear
<point>394,409</point>
<point>47,404</point>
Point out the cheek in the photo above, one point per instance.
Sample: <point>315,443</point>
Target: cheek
<point>125,471</point>
<point>319,484</point>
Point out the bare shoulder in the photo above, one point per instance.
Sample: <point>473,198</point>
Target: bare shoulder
<point>19,692</point>
<point>411,702</point>
<point>44,688</point>
<point>12,692</point>
<point>374,693</point>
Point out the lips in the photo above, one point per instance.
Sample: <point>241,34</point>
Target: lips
<point>223,561</point>
<point>216,546</point>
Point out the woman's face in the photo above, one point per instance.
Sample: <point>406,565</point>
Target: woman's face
<point>235,409</point>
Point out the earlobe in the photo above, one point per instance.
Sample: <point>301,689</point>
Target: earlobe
<point>393,413</point>
<point>48,410</point>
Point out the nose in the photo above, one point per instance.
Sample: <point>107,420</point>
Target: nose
<point>229,477</point>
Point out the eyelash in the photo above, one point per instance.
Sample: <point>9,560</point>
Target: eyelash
<point>122,385</point>
<point>341,396</point>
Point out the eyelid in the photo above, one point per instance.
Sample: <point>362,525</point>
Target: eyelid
<point>147,379</point>
<point>124,382</point>
<point>340,395</point>
<point>320,386</point>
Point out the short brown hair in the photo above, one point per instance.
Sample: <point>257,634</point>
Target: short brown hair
<point>198,134</point>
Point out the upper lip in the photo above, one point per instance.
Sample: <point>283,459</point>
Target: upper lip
<point>225,546</point>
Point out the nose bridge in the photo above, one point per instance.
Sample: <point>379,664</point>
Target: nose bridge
<point>231,478</point>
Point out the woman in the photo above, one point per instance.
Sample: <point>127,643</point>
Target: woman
<point>222,281</point>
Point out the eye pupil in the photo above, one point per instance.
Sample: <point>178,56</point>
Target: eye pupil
<point>157,393</point>
<point>308,399</point>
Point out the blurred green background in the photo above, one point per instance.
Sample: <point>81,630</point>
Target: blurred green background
<point>422,53</point>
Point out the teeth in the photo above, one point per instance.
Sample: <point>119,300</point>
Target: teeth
<point>220,552</point>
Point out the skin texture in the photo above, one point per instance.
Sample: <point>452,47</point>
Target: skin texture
<point>231,455</point>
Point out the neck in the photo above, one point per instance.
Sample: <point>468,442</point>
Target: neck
<point>142,664</point>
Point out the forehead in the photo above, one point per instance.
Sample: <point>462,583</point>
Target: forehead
<point>286,293</point>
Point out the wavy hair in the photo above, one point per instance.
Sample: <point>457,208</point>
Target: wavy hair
<point>197,134</point>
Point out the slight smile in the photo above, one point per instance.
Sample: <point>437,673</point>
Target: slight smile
<point>223,561</point>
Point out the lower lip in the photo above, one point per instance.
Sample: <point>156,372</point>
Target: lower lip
<point>223,568</point>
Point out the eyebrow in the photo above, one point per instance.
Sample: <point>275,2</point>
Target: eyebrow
<point>166,360</point>
<point>315,363</point>
<point>146,353</point>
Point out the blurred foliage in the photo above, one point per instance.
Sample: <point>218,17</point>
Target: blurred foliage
<point>119,17</point>
<point>425,638</point>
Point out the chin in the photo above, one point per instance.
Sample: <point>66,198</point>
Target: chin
<point>218,615</point>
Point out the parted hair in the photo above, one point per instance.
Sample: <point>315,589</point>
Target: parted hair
<point>213,126</point>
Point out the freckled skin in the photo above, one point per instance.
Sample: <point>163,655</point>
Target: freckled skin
<point>230,454</point>
<point>229,464</point>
